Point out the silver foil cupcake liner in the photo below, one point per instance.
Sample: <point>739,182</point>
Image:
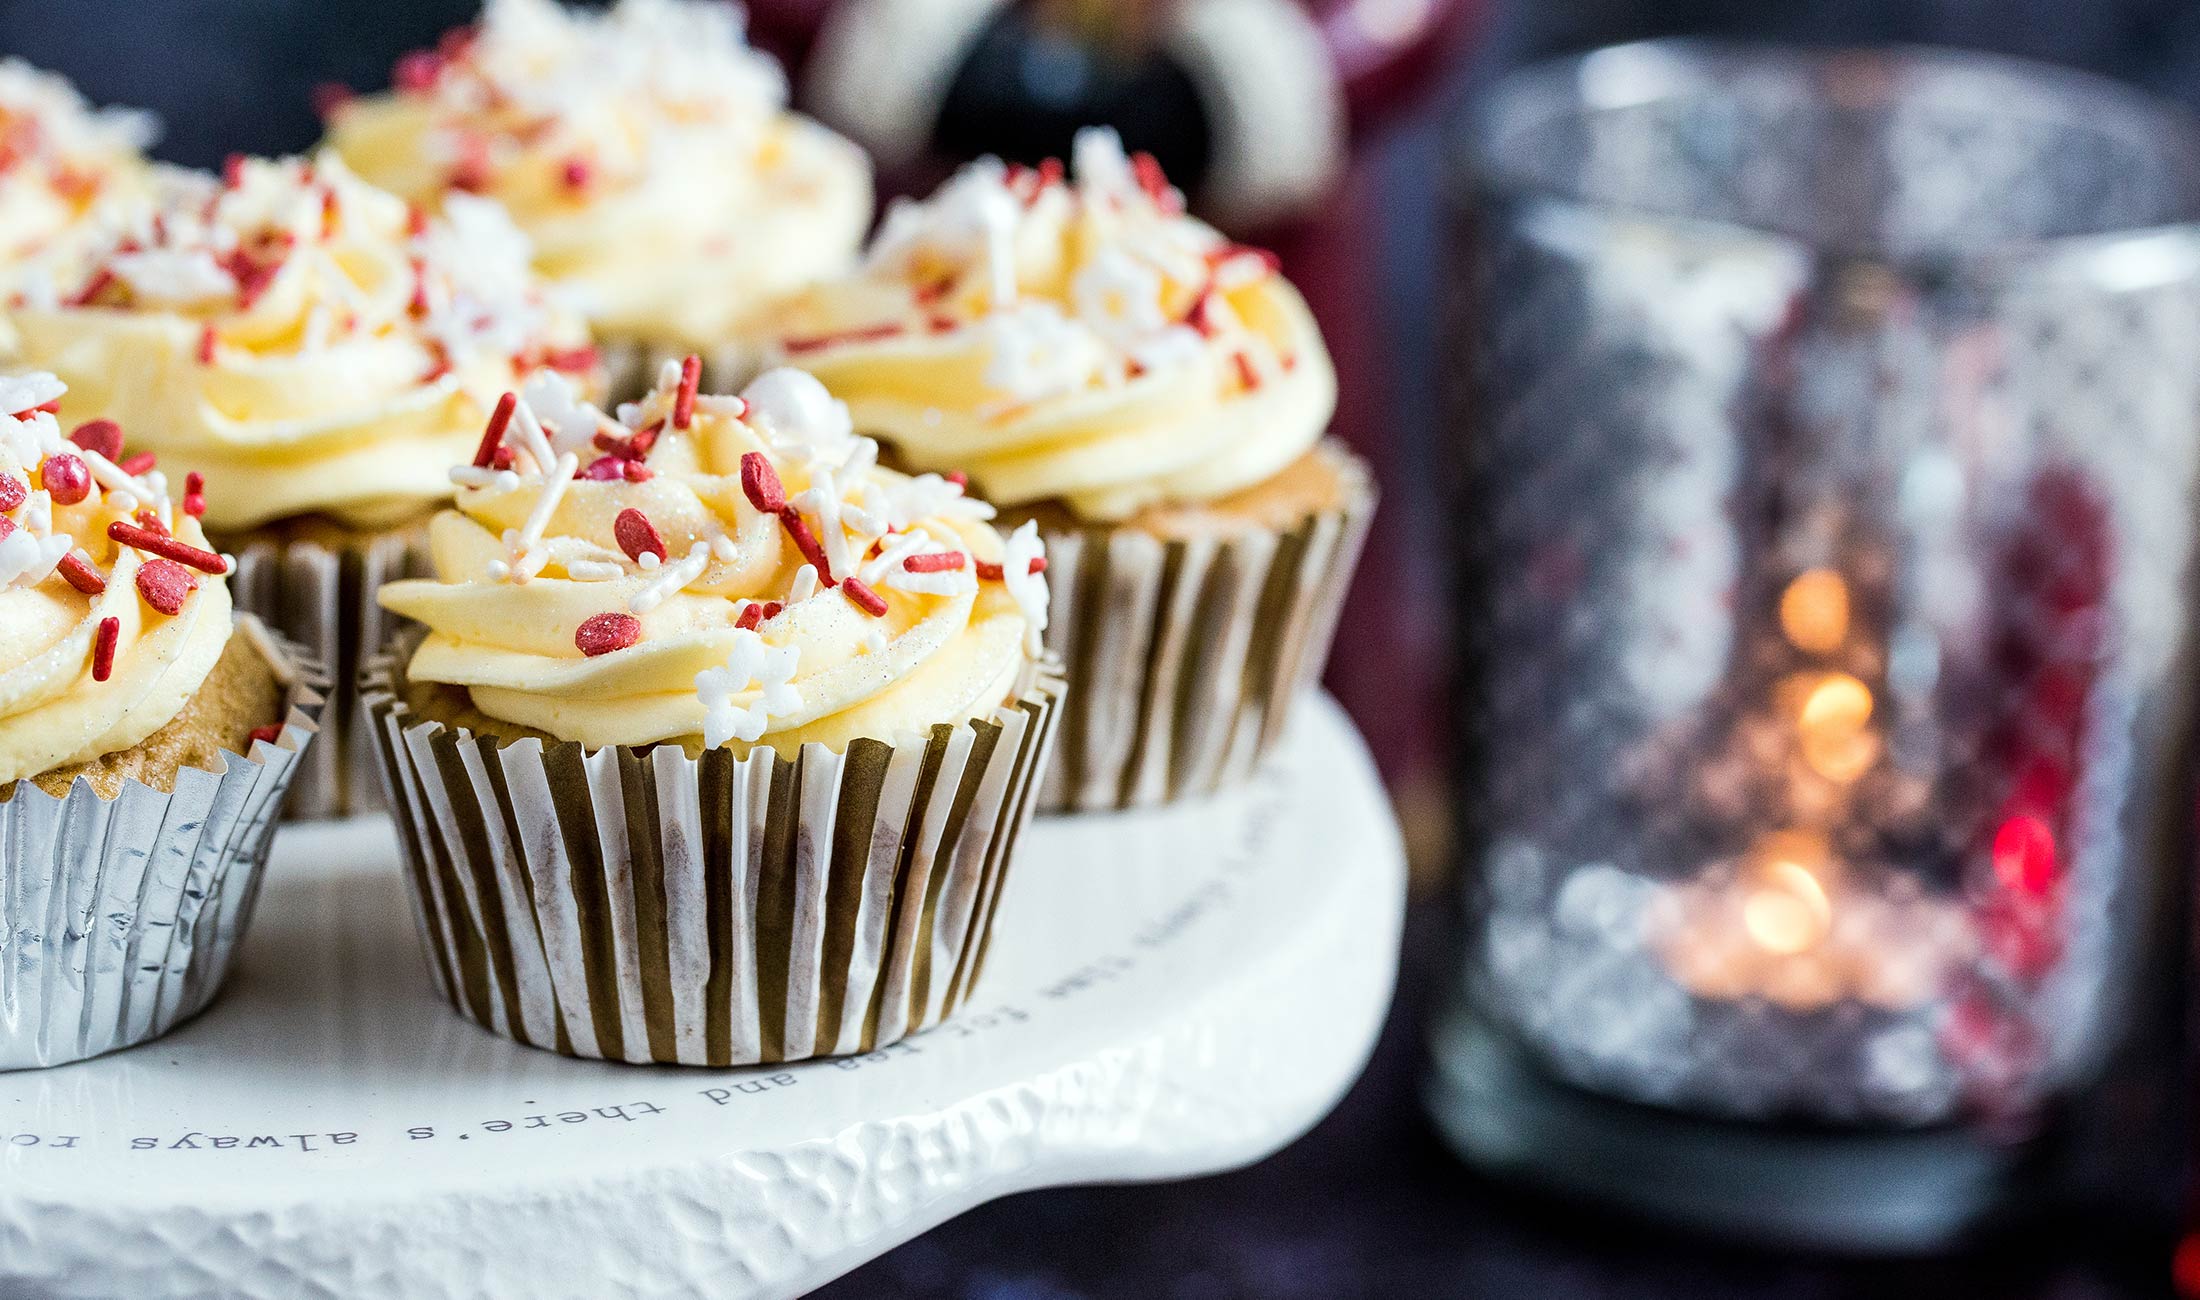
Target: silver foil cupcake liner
<point>1185,654</point>
<point>643,905</point>
<point>119,917</point>
<point>324,598</point>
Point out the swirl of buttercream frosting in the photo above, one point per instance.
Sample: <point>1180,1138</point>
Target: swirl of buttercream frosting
<point>310,342</point>
<point>1071,334</point>
<point>717,570</point>
<point>646,150</point>
<point>113,608</point>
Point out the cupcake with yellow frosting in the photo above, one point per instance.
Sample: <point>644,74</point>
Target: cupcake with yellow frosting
<point>146,740</point>
<point>1154,396</point>
<point>60,159</point>
<point>321,352</point>
<point>744,723</point>
<point>648,152</point>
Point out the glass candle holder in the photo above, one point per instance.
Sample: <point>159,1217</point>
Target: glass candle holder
<point>1832,433</point>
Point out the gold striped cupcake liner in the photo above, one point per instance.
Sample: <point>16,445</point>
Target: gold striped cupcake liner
<point>1186,654</point>
<point>643,905</point>
<point>323,597</point>
<point>120,917</point>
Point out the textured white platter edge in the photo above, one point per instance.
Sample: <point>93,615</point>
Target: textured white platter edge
<point>1170,993</point>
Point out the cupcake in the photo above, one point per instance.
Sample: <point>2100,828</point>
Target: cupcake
<point>719,737</point>
<point>322,353</point>
<point>647,151</point>
<point>1154,397</point>
<point>60,159</point>
<point>146,740</point>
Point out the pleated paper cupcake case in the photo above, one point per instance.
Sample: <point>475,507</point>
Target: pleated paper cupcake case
<point>119,918</point>
<point>324,598</point>
<point>648,906</point>
<point>1185,655</point>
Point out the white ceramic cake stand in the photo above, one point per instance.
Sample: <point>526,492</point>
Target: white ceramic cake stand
<point>1169,993</point>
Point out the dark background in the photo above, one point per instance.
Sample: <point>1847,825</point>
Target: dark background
<point>1370,1204</point>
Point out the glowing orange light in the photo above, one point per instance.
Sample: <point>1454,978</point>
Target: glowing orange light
<point>2024,854</point>
<point>1831,720</point>
<point>1814,611</point>
<point>1787,910</point>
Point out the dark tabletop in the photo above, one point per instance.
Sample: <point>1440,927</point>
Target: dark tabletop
<point>1371,1204</point>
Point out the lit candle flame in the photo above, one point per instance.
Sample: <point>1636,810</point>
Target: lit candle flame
<point>1814,611</point>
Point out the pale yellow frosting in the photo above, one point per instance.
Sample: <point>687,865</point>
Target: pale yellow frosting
<point>54,710</point>
<point>646,151</point>
<point>1076,338</point>
<point>527,560</point>
<point>60,158</point>
<point>304,339</point>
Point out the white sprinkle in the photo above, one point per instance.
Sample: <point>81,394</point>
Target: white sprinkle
<point>804,585</point>
<point>1029,589</point>
<point>674,577</point>
<point>484,479</point>
<point>751,664</point>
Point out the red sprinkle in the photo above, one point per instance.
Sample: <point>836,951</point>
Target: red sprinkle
<point>935,562</point>
<point>270,733</point>
<point>503,459</point>
<point>93,287</point>
<point>958,478</point>
<point>637,536</point>
<point>636,471</point>
<point>233,171</point>
<point>149,519</point>
<point>164,584</point>
<point>416,221</point>
<point>1153,180</point>
<point>470,172</point>
<point>806,542</point>
<point>152,543</point>
<point>1231,252</point>
<point>417,72</point>
<point>603,469</point>
<point>66,478</point>
<point>867,600</point>
<point>751,615</point>
<point>683,399</point>
<point>330,96</point>
<point>102,436</point>
<point>138,464</point>
<point>990,572</point>
<point>12,492</point>
<point>570,360</point>
<point>773,609</point>
<point>492,438</point>
<point>603,633</point>
<point>577,173</point>
<point>1201,316</point>
<point>760,483</point>
<point>1246,374</point>
<point>79,573</point>
<point>869,334</point>
<point>208,341</point>
<point>103,648</point>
